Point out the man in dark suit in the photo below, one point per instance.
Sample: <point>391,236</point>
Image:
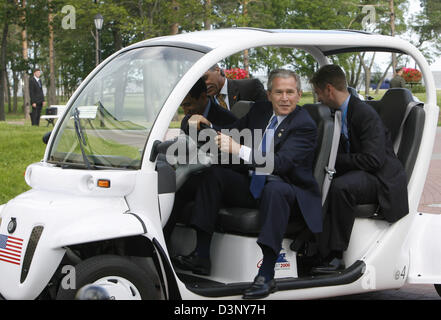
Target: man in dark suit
<point>368,170</point>
<point>37,97</point>
<point>288,142</point>
<point>195,102</point>
<point>227,92</point>
<point>198,102</point>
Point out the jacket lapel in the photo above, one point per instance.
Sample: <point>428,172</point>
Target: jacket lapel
<point>280,131</point>
<point>233,92</point>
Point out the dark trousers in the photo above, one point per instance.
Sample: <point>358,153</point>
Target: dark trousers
<point>35,114</point>
<point>183,197</point>
<point>346,192</point>
<point>220,185</point>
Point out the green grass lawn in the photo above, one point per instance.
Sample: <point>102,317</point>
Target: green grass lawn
<point>20,145</point>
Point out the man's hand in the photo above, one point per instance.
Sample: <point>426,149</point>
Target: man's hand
<point>227,144</point>
<point>196,120</point>
<point>34,105</point>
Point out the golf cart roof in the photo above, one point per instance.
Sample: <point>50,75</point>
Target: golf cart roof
<point>220,43</point>
<point>326,41</point>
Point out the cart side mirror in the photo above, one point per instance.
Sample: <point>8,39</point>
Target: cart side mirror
<point>46,137</point>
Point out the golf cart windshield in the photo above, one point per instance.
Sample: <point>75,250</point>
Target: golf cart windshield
<point>108,124</point>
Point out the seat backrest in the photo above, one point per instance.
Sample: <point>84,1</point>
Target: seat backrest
<point>392,110</point>
<point>411,139</point>
<point>241,108</point>
<point>325,127</point>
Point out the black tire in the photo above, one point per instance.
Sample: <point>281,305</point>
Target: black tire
<point>95,268</point>
<point>438,289</point>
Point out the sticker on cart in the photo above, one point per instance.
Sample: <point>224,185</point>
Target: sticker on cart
<point>282,262</point>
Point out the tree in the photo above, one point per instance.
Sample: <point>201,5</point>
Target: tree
<point>7,15</point>
<point>427,26</point>
<point>52,94</point>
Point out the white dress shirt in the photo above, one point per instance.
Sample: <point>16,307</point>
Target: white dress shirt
<point>245,151</point>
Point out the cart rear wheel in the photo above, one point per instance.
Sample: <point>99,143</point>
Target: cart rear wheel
<point>438,289</point>
<point>120,277</point>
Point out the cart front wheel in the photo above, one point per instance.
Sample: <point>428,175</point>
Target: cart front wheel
<point>120,278</point>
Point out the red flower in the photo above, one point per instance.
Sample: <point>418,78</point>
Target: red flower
<point>236,73</point>
<point>411,75</point>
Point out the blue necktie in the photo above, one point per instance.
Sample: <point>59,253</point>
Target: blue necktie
<point>258,180</point>
<point>344,130</point>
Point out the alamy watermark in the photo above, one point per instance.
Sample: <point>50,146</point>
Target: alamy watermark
<point>70,19</point>
<point>69,280</point>
<point>194,148</point>
<point>369,20</point>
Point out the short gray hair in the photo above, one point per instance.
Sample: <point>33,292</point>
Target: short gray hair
<point>283,73</point>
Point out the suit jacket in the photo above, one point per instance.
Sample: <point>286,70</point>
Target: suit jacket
<point>216,114</point>
<point>245,89</point>
<point>294,147</point>
<point>371,150</point>
<point>35,91</point>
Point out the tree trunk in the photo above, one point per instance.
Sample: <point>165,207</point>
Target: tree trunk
<point>382,78</point>
<point>52,94</point>
<point>174,28</point>
<point>392,32</point>
<point>117,40</point>
<point>367,73</point>
<point>3,70</point>
<point>207,20</point>
<point>14,91</point>
<point>8,91</point>
<point>24,37</point>
<point>246,60</point>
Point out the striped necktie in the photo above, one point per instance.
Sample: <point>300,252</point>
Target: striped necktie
<point>258,180</point>
<point>221,100</point>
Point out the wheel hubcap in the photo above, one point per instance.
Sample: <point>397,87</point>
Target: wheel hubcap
<point>119,288</point>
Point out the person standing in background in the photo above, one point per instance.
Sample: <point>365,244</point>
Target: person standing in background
<point>37,97</point>
<point>398,80</point>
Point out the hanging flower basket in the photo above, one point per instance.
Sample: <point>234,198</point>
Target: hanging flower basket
<point>411,75</point>
<point>236,73</point>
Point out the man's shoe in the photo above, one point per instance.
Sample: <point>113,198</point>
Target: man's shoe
<point>334,266</point>
<point>260,289</point>
<point>194,263</point>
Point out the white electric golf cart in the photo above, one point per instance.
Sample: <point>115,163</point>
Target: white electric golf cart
<point>105,189</point>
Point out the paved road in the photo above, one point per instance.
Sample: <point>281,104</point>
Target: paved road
<point>430,201</point>
<point>407,292</point>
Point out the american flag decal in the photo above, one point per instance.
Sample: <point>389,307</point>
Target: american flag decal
<point>10,249</point>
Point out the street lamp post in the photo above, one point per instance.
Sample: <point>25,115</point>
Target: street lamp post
<point>98,19</point>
